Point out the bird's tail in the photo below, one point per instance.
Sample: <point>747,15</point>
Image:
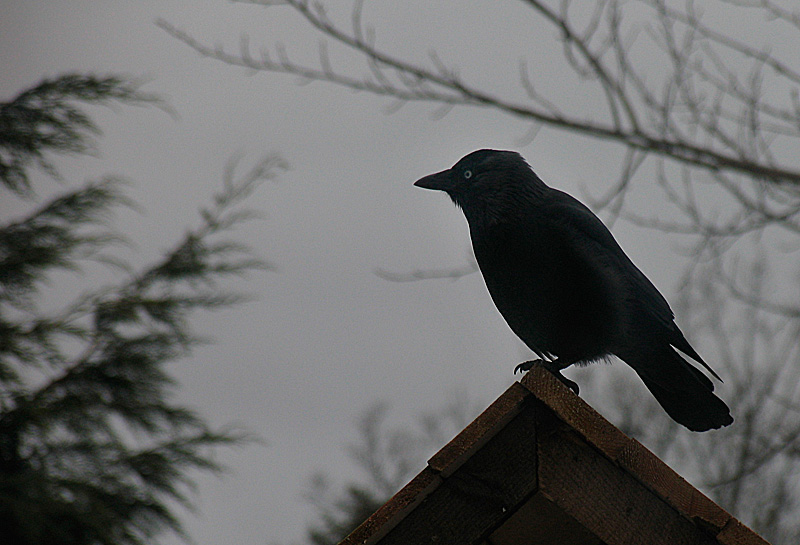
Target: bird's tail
<point>684,392</point>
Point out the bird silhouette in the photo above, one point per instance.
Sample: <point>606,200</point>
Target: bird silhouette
<point>566,287</point>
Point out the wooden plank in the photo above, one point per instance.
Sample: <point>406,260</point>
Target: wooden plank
<point>627,452</point>
<point>479,431</point>
<point>484,491</point>
<point>390,513</point>
<point>542,522</point>
<point>665,482</point>
<point>603,497</point>
<point>736,533</point>
<point>576,412</point>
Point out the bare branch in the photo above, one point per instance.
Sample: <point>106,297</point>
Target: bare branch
<point>428,274</point>
<point>443,86</point>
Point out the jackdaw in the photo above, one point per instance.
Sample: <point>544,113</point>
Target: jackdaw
<point>566,288</point>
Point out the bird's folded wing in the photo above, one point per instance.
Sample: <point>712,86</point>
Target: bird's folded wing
<point>586,227</point>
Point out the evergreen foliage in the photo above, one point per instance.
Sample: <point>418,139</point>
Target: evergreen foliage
<point>93,450</point>
<point>45,119</point>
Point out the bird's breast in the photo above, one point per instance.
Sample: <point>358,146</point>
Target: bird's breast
<point>552,296</point>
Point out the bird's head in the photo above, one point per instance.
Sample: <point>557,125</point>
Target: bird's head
<point>487,185</point>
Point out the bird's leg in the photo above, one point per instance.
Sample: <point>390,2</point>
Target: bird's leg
<point>555,367</point>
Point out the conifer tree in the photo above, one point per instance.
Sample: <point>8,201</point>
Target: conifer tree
<point>93,448</point>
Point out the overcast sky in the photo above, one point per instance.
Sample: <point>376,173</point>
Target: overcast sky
<point>325,337</point>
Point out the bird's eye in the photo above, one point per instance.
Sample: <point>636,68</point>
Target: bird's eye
<point>467,174</point>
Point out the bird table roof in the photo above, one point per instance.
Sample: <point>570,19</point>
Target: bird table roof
<point>539,465</point>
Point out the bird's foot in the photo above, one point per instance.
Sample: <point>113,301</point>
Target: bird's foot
<point>553,366</point>
<point>527,366</point>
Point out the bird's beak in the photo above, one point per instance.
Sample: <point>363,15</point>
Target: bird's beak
<point>441,181</point>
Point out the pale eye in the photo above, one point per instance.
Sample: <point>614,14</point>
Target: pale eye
<point>467,174</point>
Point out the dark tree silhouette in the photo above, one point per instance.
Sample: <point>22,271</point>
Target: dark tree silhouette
<point>93,448</point>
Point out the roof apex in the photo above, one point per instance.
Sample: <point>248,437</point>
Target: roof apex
<point>540,463</point>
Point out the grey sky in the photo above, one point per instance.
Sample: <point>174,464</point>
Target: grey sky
<point>326,336</point>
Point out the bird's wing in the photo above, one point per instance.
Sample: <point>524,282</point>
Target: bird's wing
<point>585,225</point>
<point>572,215</point>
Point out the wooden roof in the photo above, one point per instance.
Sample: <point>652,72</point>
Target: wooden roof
<point>540,466</point>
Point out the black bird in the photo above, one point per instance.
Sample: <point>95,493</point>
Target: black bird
<point>567,289</point>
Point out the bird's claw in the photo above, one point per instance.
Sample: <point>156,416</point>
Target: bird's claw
<point>527,366</point>
<point>555,369</point>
